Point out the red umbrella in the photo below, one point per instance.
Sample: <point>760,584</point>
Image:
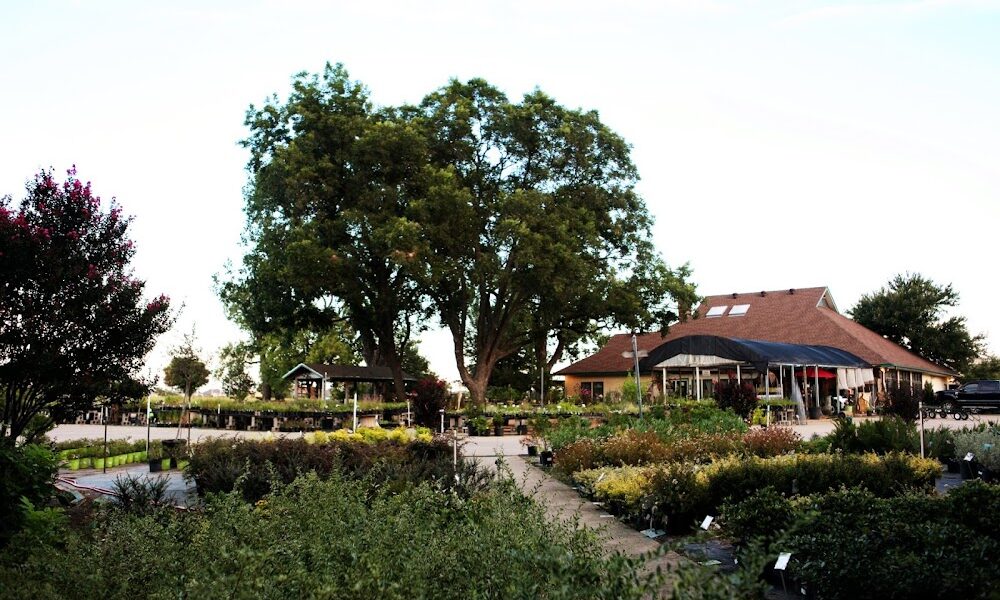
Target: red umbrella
<point>811,373</point>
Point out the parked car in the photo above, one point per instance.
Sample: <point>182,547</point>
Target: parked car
<point>983,393</point>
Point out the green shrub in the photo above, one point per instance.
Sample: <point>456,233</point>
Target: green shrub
<point>334,538</point>
<point>761,516</point>
<point>680,493</point>
<point>888,434</point>
<point>903,401</point>
<point>140,495</point>
<point>702,491</point>
<point>976,505</point>
<point>27,475</point>
<point>851,544</point>
<point>218,464</point>
<point>939,443</point>
<point>984,444</point>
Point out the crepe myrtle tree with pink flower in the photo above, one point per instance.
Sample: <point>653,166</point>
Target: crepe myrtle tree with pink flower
<point>75,324</point>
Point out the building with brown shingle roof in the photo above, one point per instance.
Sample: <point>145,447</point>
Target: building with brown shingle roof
<point>806,316</point>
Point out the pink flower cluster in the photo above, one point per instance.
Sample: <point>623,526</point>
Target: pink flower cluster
<point>159,303</point>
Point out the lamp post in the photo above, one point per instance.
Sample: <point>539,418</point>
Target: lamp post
<point>442,419</point>
<point>636,354</point>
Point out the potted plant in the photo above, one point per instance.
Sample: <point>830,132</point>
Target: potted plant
<point>498,423</point>
<point>174,450</point>
<point>478,426</point>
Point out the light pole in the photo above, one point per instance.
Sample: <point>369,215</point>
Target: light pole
<point>636,354</point>
<point>442,419</point>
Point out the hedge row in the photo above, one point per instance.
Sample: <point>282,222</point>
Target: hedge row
<point>635,448</point>
<point>222,465</point>
<point>675,494</point>
<point>332,538</point>
<point>850,543</point>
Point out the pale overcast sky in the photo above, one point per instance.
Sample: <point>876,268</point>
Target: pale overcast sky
<point>781,143</point>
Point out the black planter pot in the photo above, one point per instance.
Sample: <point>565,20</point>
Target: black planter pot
<point>522,430</point>
<point>532,450</point>
<point>498,430</point>
<point>814,412</point>
<point>155,465</point>
<point>969,469</point>
<point>545,458</point>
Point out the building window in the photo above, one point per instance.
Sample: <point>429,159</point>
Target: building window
<point>592,389</point>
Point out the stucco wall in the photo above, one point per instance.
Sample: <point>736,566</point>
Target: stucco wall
<point>612,383</point>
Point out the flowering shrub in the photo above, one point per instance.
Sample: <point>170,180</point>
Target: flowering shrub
<point>579,456</point>
<point>622,488</point>
<point>683,491</point>
<point>704,447</point>
<point>771,441</point>
<point>632,447</point>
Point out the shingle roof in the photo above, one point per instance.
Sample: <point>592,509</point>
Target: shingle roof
<point>799,316</point>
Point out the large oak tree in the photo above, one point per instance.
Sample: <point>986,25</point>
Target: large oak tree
<point>531,230</point>
<point>74,324</point>
<point>912,311</point>
<point>325,211</point>
<point>516,224</point>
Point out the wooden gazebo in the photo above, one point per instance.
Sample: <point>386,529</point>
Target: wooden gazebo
<point>313,380</point>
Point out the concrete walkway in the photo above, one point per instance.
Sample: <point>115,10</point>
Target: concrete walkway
<point>563,503</point>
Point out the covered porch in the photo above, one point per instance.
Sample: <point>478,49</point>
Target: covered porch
<point>812,376</point>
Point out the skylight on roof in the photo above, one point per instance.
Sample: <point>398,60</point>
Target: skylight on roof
<point>739,310</point>
<point>717,311</point>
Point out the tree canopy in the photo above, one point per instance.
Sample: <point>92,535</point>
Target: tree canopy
<point>515,224</point>
<point>330,178</point>
<point>531,229</point>
<point>186,371</point>
<point>74,324</point>
<point>912,312</point>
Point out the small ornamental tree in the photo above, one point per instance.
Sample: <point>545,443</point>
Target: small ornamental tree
<point>186,372</point>
<point>73,320</point>
<point>740,398</point>
<point>233,359</point>
<point>430,395</point>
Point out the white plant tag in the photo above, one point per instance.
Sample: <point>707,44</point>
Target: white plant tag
<point>707,523</point>
<point>970,456</point>
<point>782,563</point>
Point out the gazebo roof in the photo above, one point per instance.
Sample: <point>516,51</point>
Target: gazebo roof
<point>345,373</point>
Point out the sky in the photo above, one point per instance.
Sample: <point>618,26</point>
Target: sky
<point>781,144</point>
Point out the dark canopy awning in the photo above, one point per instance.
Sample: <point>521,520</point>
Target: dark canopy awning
<point>344,373</point>
<point>712,350</point>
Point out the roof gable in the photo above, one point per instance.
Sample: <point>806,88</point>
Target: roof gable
<point>796,316</point>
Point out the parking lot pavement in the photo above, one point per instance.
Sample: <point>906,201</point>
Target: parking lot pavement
<point>179,491</point>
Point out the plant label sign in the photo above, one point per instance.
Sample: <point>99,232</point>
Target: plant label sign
<point>969,457</point>
<point>782,562</point>
<point>652,533</point>
<point>707,522</point>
